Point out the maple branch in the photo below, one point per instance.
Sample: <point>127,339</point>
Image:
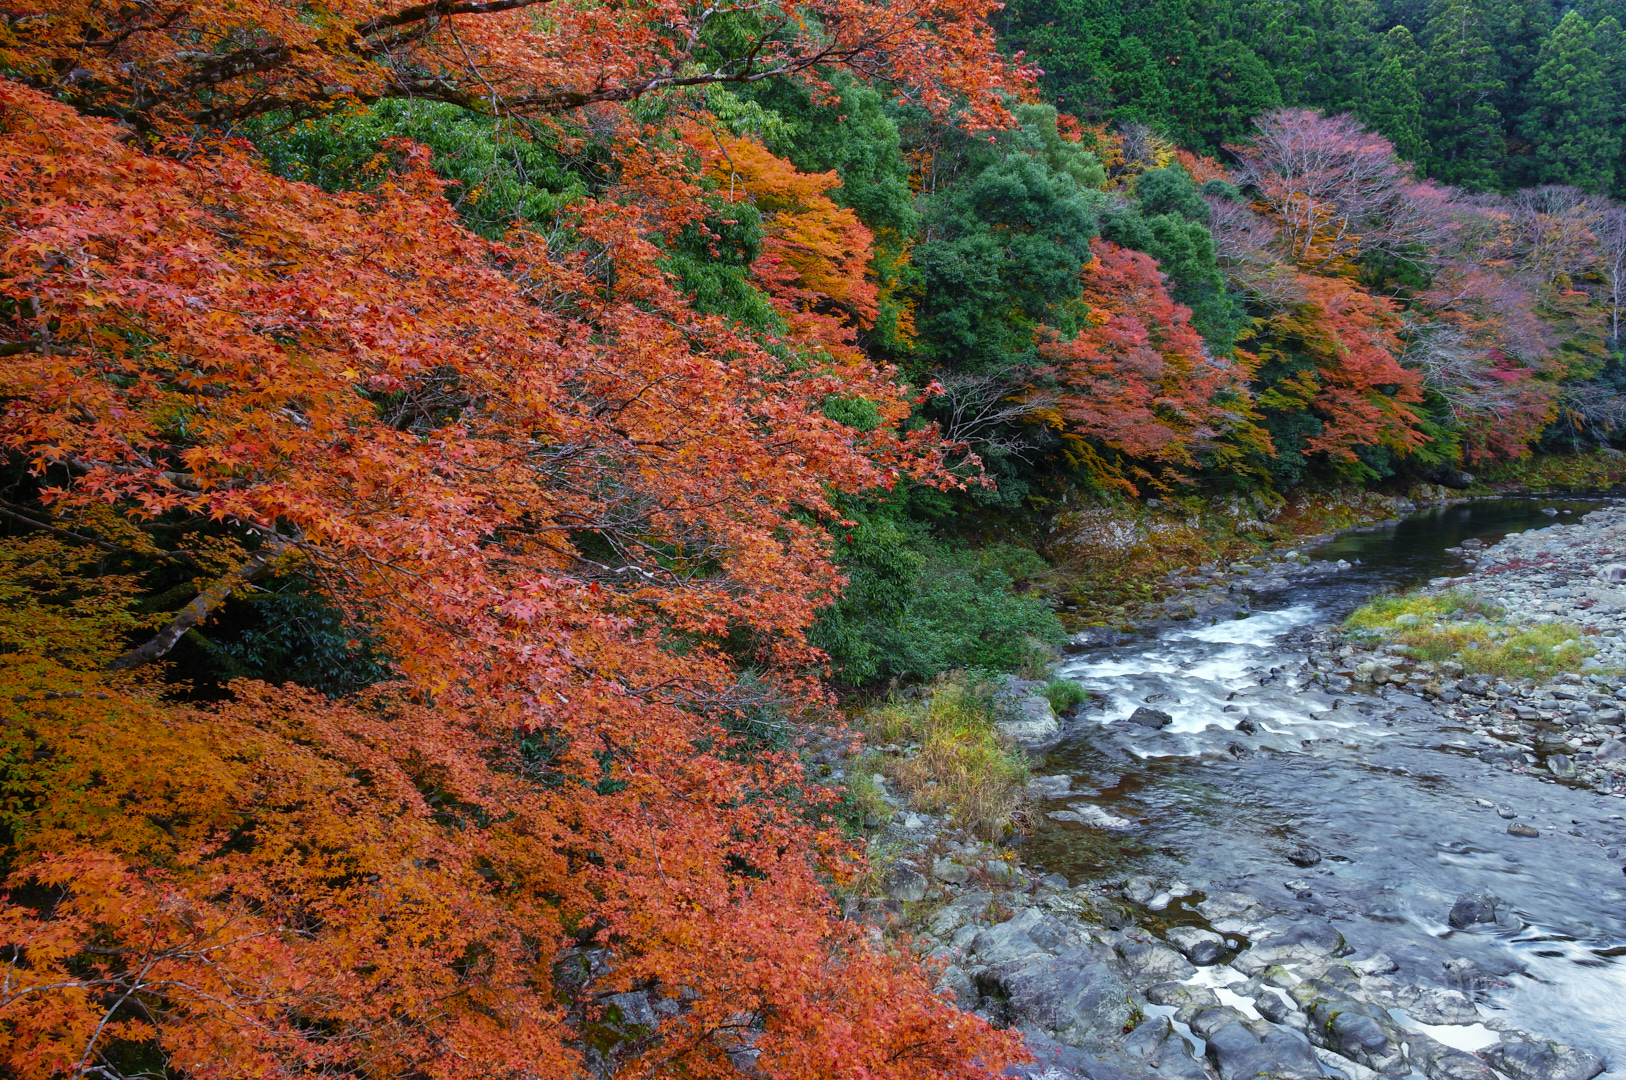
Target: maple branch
<point>203,605</point>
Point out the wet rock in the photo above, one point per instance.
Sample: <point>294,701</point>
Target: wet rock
<point>1155,1046</point>
<point>1541,1060</point>
<point>1152,718</point>
<point>1093,816</point>
<point>1248,725</point>
<point>1182,996</point>
<point>1471,910</point>
<point>1140,888</point>
<point>1377,964</point>
<point>1304,856</point>
<point>1440,1062</point>
<point>1049,787</point>
<point>1273,1007</point>
<point>1075,995</point>
<point>1201,947</point>
<point>1560,765</point>
<point>1239,1054</point>
<point>1152,961</point>
<point>1228,905</point>
<point>1311,939</point>
<point>1519,828</point>
<point>906,884</point>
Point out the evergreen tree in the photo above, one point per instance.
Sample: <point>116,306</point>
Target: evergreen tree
<point>1394,106</point>
<point>1458,83</point>
<point>1346,56</point>
<point>1609,43</point>
<point>1515,30</point>
<point>1570,122</point>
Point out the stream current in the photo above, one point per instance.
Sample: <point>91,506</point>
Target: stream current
<point>1385,788</point>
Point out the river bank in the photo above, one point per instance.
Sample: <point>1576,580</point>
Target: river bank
<point>1284,864</point>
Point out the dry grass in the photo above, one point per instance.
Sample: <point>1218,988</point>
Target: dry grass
<point>964,768</point>
<point>1460,627</point>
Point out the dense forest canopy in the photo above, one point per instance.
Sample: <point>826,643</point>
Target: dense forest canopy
<point>452,449</point>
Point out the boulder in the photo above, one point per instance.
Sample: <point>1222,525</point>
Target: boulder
<point>1239,1054</point>
<point>951,872</point>
<point>1471,910</point>
<point>1075,995</point>
<point>1151,961</point>
<point>1152,718</point>
<point>1304,856</point>
<point>1201,947</point>
<point>1533,1059</point>
<point>1031,722</point>
<point>907,884</point>
<point>1437,1061</point>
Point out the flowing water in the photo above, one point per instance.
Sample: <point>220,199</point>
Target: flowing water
<point>1386,789</point>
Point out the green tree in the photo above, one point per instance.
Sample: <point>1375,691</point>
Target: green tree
<point>1339,75</point>
<point>1515,30</point>
<point>1458,84</point>
<point>1395,106</point>
<point>1609,43</point>
<point>1570,123</point>
<point>1007,244</point>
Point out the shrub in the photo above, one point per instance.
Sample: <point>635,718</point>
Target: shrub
<point>1063,694</point>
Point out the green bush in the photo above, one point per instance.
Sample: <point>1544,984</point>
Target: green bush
<point>1063,694</point>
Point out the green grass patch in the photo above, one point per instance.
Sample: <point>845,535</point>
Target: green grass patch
<point>1383,611</point>
<point>964,768</point>
<point>1063,694</point>
<point>1460,628</point>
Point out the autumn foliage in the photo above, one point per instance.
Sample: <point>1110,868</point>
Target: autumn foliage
<point>567,504</point>
<point>1139,382</point>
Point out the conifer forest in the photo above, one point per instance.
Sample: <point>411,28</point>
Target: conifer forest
<point>458,456</point>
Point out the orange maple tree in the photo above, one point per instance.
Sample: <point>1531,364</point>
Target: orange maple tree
<point>1138,382</point>
<point>569,505</point>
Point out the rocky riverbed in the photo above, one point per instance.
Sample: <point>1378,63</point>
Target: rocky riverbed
<point>1286,852</point>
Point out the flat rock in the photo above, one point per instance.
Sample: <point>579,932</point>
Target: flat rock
<point>1440,1062</point>
<point>1152,961</point>
<point>1075,995</point>
<point>1239,1054</point>
<point>1542,1060</point>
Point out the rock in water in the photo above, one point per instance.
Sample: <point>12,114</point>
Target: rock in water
<point>1470,910</point>
<point>1201,947</point>
<point>1304,855</point>
<point>1518,828</point>
<point>1152,718</point>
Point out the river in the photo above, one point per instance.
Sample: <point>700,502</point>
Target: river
<point>1383,788</point>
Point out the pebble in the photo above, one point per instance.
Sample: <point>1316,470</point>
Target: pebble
<point>1520,829</point>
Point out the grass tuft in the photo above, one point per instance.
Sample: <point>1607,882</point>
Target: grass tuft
<point>1063,694</point>
<point>964,768</point>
